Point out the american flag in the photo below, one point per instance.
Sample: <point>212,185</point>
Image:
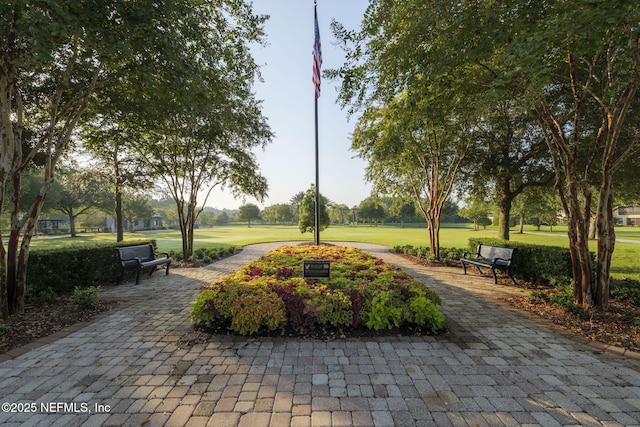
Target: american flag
<point>317,56</point>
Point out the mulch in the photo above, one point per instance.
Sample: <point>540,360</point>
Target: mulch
<point>41,320</point>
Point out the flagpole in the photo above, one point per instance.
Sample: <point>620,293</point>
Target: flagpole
<point>317,201</point>
<point>318,61</point>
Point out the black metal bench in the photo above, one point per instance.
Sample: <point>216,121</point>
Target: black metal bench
<point>138,258</point>
<point>492,257</point>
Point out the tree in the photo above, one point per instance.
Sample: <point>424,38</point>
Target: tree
<point>248,212</point>
<point>284,213</point>
<point>476,210</point>
<point>581,78</point>
<point>280,213</point>
<point>512,153</point>
<point>339,213</point>
<point>223,218</point>
<point>538,206</point>
<point>372,210</point>
<point>201,136</point>
<point>112,155</point>
<point>208,217</point>
<point>269,214</point>
<point>572,65</point>
<point>56,58</point>
<point>414,127</point>
<point>136,207</point>
<point>307,221</point>
<point>403,208</point>
<point>80,192</point>
<point>411,153</point>
<point>296,203</point>
<point>165,206</point>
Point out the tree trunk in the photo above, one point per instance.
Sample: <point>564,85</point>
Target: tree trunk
<point>433,246</point>
<point>504,216</point>
<point>118,196</point>
<point>182,220</point>
<point>434,230</point>
<point>575,197</point>
<point>13,248</point>
<point>522,219</point>
<point>579,243</point>
<point>4,300</point>
<point>18,251</point>
<point>119,216</point>
<point>593,227</point>
<point>23,258</point>
<point>606,243</point>
<point>12,269</point>
<point>72,223</point>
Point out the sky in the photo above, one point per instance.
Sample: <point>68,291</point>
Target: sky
<point>288,162</point>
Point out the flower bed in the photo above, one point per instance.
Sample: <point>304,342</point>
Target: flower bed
<point>271,295</point>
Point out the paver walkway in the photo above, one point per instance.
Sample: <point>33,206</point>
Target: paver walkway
<point>494,368</point>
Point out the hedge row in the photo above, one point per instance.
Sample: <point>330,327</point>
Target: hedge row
<point>63,269</point>
<point>448,256</point>
<point>549,265</point>
<point>535,263</point>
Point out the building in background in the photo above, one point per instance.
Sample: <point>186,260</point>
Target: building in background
<point>628,216</point>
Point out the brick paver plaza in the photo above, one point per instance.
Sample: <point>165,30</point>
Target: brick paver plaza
<point>494,367</point>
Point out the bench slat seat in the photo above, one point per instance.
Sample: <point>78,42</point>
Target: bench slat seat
<point>492,257</point>
<point>138,258</point>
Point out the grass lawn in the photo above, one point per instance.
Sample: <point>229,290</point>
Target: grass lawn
<point>625,259</point>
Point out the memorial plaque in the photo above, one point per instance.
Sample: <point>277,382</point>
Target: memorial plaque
<point>316,268</point>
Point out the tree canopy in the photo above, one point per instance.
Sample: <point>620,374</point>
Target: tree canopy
<point>248,212</point>
<point>571,66</point>
<point>59,60</point>
<point>307,220</point>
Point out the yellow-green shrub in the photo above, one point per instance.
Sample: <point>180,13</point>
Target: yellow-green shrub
<point>256,309</point>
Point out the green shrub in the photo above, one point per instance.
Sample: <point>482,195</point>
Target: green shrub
<point>549,265</point>
<point>249,309</point>
<point>423,311</point>
<point>4,329</point>
<point>204,309</point>
<point>386,311</point>
<point>448,256</point>
<point>332,307</point>
<point>257,309</point>
<point>205,255</point>
<point>42,296</point>
<point>451,256</point>
<point>65,269</point>
<point>562,296</point>
<point>86,297</point>
<point>393,308</point>
<point>626,289</point>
